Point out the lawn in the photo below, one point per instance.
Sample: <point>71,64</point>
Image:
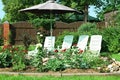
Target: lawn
<point>19,77</point>
<point>116,57</point>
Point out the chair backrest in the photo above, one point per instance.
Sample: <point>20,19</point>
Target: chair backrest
<point>49,43</point>
<point>82,42</point>
<point>95,43</point>
<point>67,42</point>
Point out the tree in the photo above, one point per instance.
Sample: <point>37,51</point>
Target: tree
<point>109,5</point>
<point>0,21</point>
<point>11,8</point>
<point>112,5</point>
<point>83,5</point>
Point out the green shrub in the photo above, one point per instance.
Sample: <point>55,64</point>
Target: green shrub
<point>91,60</point>
<point>105,54</point>
<point>36,61</point>
<point>54,65</point>
<point>72,58</point>
<point>42,23</point>
<point>88,29</point>
<point>18,60</point>
<point>111,37</point>
<point>64,59</point>
<point>14,57</point>
<point>5,59</point>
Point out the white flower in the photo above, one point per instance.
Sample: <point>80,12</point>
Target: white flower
<point>38,45</point>
<point>38,33</point>
<point>41,35</point>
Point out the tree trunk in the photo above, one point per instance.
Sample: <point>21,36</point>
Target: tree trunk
<point>85,13</point>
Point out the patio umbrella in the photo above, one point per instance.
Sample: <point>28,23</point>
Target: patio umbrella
<point>49,7</point>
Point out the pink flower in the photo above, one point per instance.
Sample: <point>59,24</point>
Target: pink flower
<point>63,50</point>
<point>56,50</point>
<point>80,51</point>
<point>25,51</point>
<point>7,47</point>
<point>75,45</point>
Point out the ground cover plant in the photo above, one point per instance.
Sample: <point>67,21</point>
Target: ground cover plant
<point>20,77</point>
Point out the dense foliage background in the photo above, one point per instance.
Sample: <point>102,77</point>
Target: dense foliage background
<point>12,7</point>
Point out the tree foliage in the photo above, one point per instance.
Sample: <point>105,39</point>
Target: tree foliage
<point>109,5</point>
<point>82,5</point>
<point>12,7</point>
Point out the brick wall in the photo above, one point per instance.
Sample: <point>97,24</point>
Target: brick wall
<point>6,32</point>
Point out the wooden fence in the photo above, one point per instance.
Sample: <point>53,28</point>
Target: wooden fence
<point>21,28</point>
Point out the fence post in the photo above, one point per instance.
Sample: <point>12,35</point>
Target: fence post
<point>6,32</point>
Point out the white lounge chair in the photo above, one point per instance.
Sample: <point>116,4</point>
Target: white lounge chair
<point>67,42</point>
<point>49,43</point>
<point>82,42</point>
<point>95,43</point>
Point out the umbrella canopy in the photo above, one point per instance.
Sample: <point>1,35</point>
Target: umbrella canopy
<point>49,7</point>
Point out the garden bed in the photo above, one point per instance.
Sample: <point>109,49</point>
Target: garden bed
<point>65,61</point>
<point>31,69</point>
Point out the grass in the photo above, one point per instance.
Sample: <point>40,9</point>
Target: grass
<point>116,57</point>
<point>20,77</point>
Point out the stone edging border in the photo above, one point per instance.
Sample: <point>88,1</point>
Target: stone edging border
<point>60,74</point>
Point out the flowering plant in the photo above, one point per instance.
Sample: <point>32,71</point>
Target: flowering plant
<point>38,45</point>
<point>40,37</point>
<point>7,47</point>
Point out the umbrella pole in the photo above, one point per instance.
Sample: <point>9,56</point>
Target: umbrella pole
<point>51,30</point>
